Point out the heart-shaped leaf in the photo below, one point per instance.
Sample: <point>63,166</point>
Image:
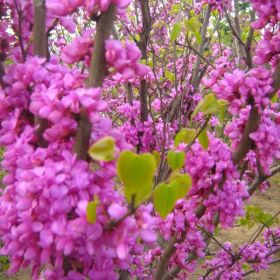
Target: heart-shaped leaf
<point>103,149</point>
<point>166,195</point>
<point>203,139</point>
<point>175,160</point>
<point>164,199</point>
<point>137,174</point>
<point>185,135</point>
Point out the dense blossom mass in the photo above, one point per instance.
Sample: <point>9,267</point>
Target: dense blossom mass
<point>190,100</point>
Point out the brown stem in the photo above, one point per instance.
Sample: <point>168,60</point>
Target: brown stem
<point>143,43</point>
<point>2,73</point>
<point>171,249</point>
<point>40,45</point>
<point>104,28</point>
<point>19,12</point>
<point>167,254</point>
<point>246,142</point>
<point>205,24</point>
<point>40,48</point>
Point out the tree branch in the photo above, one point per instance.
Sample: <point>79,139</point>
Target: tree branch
<point>104,28</point>
<point>143,43</point>
<point>205,24</point>
<point>40,48</point>
<point>245,143</point>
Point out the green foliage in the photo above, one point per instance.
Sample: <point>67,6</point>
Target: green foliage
<point>203,139</point>
<point>176,29</point>
<point>4,264</point>
<point>164,199</point>
<point>175,9</point>
<point>181,184</point>
<point>193,25</point>
<point>185,135</point>
<point>209,105</point>
<point>2,172</point>
<point>274,98</point>
<point>175,160</point>
<point>170,76</point>
<point>103,149</point>
<point>165,195</point>
<point>156,154</point>
<point>137,173</point>
<point>254,214</point>
<point>246,266</point>
<point>92,211</point>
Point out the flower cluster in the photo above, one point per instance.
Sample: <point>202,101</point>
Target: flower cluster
<point>231,264</point>
<point>268,11</point>
<point>66,7</point>
<point>238,87</point>
<point>79,49</point>
<point>267,49</point>
<point>183,219</point>
<point>48,216</point>
<point>265,137</point>
<point>125,60</point>
<point>215,182</point>
<point>137,133</point>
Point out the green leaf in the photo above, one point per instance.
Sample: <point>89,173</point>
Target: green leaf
<point>246,267</point>
<point>91,211</point>
<point>175,160</point>
<point>206,105</point>
<point>222,114</point>
<point>170,76</point>
<point>209,105</point>
<point>166,195</point>
<point>185,135</point>
<point>164,199</point>
<point>193,25</point>
<point>256,214</point>
<point>176,29</point>
<point>103,149</point>
<point>198,38</point>
<point>181,184</point>
<point>203,139</point>
<point>137,173</point>
<point>274,98</point>
<point>156,154</point>
<point>175,8</point>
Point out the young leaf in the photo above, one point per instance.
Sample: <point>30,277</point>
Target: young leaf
<point>166,195</point>
<point>103,149</point>
<point>91,211</point>
<point>198,38</point>
<point>164,199</point>
<point>274,98</point>
<point>137,173</point>
<point>193,25</point>
<point>181,184</point>
<point>156,154</point>
<point>176,29</point>
<point>185,135</point>
<point>203,139</point>
<point>170,76</point>
<point>175,160</point>
<point>207,105</point>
